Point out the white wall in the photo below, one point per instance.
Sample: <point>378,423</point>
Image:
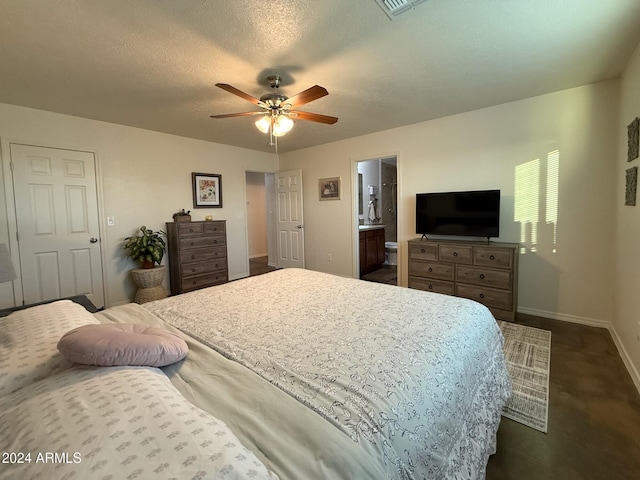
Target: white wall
<point>145,177</point>
<point>483,149</point>
<point>627,316</point>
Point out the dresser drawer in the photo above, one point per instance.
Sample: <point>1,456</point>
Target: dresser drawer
<point>422,251</point>
<point>186,229</point>
<point>189,269</point>
<point>493,257</point>
<point>199,242</point>
<point>200,281</point>
<point>214,228</point>
<point>203,254</point>
<point>455,253</point>
<point>441,271</point>
<point>483,276</point>
<point>435,286</point>
<point>487,296</point>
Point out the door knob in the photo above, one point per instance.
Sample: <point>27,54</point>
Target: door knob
<point>93,240</point>
<point>300,226</point>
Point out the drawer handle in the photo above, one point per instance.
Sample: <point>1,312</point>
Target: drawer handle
<point>193,269</point>
<point>191,230</point>
<point>215,241</point>
<point>215,229</point>
<point>430,287</point>
<point>430,269</point>
<point>422,250</point>
<point>482,295</point>
<point>482,276</point>
<point>492,257</point>
<point>217,265</point>
<point>194,282</point>
<point>192,257</point>
<point>455,254</point>
<point>192,244</point>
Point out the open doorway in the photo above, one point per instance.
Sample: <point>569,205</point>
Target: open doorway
<point>259,193</point>
<point>377,207</point>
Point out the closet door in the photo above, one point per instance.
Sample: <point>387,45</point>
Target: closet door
<point>57,220</point>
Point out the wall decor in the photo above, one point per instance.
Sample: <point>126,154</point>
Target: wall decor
<point>632,185</point>
<point>633,139</point>
<point>330,188</point>
<point>207,190</point>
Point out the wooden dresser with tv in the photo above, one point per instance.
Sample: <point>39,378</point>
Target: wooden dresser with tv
<point>484,272</point>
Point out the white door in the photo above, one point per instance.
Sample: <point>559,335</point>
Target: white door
<point>57,220</point>
<point>289,219</point>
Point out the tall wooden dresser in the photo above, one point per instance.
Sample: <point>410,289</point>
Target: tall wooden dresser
<point>486,273</point>
<point>197,255</point>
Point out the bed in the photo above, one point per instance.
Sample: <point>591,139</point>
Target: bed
<point>320,376</point>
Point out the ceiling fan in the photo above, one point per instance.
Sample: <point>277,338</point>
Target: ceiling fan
<point>277,109</point>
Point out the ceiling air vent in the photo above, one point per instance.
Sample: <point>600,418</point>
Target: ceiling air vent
<point>393,8</point>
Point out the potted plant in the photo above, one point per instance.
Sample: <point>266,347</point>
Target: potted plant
<point>148,247</point>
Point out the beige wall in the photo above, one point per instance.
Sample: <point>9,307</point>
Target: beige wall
<point>571,279</point>
<point>145,177</point>
<point>627,317</point>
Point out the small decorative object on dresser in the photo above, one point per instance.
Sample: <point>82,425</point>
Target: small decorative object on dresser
<point>486,273</point>
<point>182,216</point>
<point>197,254</point>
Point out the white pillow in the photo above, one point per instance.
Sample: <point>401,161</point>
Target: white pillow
<point>28,340</point>
<point>117,422</point>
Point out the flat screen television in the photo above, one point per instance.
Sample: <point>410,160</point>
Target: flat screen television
<point>468,214</point>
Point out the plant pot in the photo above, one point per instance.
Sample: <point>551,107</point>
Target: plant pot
<point>147,264</point>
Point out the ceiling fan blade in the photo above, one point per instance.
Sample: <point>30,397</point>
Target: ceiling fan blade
<point>314,117</point>
<point>309,95</point>
<point>239,93</point>
<point>243,114</point>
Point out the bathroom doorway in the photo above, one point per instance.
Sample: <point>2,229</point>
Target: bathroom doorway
<point>377,214</point>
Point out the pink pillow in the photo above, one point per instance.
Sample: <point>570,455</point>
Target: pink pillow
<point>122,344</point>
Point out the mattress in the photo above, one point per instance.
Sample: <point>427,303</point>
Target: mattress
<point>329,377</point>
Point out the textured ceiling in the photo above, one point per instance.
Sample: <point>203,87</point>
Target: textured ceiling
<point>154,63</point>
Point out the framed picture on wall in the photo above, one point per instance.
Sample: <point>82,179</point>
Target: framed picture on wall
<point>633,139</point>
<point>631,175</point>
<point>207,190</point>
<point>330,188</point>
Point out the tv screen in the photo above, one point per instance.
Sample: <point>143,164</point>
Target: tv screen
<point>473,213</point>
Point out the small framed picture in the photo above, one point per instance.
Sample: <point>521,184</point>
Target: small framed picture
<point>633,139</point>
<point>330,188</point>
<point>631,175</point>
<point>207,190</point>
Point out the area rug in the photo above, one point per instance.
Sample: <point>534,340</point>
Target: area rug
<point>527,351</point>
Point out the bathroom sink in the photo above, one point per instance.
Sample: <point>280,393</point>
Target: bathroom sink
<point>369,227</point>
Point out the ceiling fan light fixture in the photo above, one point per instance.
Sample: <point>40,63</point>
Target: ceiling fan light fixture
<point>282,125</point>
<point>263,124</point>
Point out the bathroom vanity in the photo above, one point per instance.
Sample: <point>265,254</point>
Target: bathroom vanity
<point>371,248</point>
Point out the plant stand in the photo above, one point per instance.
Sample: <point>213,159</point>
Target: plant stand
<point>149,282</point>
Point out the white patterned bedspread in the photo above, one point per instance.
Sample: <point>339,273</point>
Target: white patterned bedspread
<point>115,423</point>
<point>417,378</point>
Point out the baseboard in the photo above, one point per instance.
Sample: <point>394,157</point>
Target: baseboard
<point>258,255</point>
<point>635,376</point>
<point>592,322</point>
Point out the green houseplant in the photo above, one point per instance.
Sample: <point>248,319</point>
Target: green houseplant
<point>148,247</point>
